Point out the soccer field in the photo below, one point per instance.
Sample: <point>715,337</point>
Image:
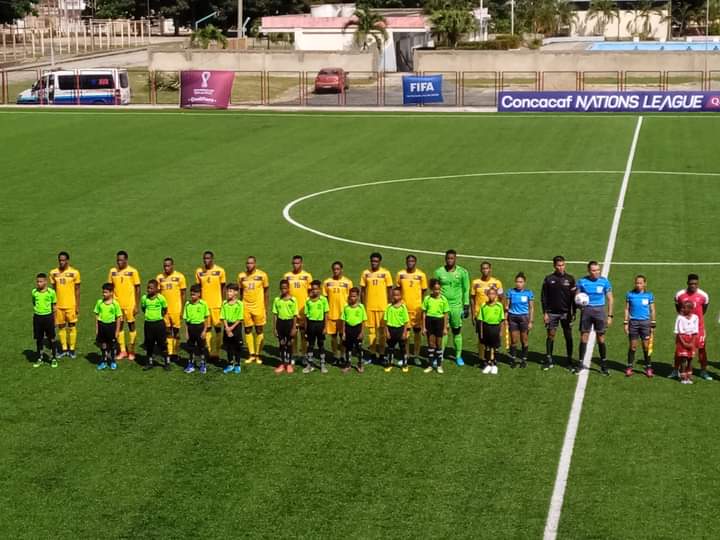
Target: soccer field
<point>88,454</point>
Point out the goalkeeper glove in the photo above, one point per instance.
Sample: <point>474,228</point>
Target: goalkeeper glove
<point>466,312</point>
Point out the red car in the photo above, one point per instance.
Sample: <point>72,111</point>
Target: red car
<point>331,80</point>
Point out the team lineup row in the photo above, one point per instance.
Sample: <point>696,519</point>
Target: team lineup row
<point>387,310</point>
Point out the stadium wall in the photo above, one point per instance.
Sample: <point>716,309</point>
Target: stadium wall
<point>271,61</point>
<point>430,61</point>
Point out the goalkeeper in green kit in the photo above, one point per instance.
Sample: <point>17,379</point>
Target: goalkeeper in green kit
<point>455,286</point>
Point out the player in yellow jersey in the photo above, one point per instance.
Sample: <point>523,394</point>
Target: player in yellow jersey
<point>172,286</point>
<point>66,281</point>
<point>413,283</point>
<point>478,293</point>
<point>336,288</point>
<point>211,278</point>
<point>253,284</point>
<point>375,286</point>
<point>299,281</point>
<point>126,288</point>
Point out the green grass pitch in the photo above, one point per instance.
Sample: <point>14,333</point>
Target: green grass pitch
<point>163,455</point>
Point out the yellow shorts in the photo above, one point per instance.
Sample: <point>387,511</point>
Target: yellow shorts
<point>127,313</point>
<point>375,319</point>
<point>63,316</point>
<point>254,318</point>
<point>173,320</point>
<point>215,316</point>
<point>331,326</point>
<point>415,318</point>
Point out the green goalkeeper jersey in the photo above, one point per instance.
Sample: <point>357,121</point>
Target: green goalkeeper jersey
<point>455,285</point>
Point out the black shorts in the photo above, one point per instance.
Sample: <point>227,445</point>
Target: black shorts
<point>352,333</point>
<point>236,339</point>
<point>43,326</point>
<point>557,319</point>
<point>490,334</point>
<point>518,323</point>
<point>396,335</point>
<point>593,317</point>
<point>106,333</point>
<point>194,334</point>
<point>639,329</point>
<point>314,329</point>
<point>435,326</point>
<point>284,328</point>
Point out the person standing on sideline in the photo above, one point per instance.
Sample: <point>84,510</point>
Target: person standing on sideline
<point>172,286</point>
<point>299,281</point>
<point>597,315</point>
<point>639,323</point>
<point>700,301</point>
<point>558,305</point>
<point>520,314</point>
<point>66,281</point>
<point>455,286</point>
<point>126,287</point>
<point>413,284</point>
<point>336,289</point>
<point>211,279</point>
<point>253,285</point>
<point>375,286</point>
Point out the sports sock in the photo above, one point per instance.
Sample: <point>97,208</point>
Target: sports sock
<point>169,344</point>
<point>439,357</point>
<point>549,346</point>
<point>602,349</point>
<point>208,339</point>
<point>132,338</point>
<point>431,355</point>
<point>71,337</point>
<point>62,334</point>
<point>121,341</point>
<point>513,352</point>
<point>309,358</point>
<point>524,352</point>
<point>646,356</point>
<point>39,346</point>
<point>458,342</point>
<point>631,357</point>
<point>250,341</point>
<point>583,349</point>
<point>567,333</point>
<point>259,340</point>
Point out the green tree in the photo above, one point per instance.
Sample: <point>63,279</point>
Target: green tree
<point>114,9</point>
<point>545,16</point>
<point>16,9</point>
<point>640,24</point>
<point>683,14</point>
<point>450,20</point>
<point>369,26</point>
<point>203,37</point>
<point>605,12</point>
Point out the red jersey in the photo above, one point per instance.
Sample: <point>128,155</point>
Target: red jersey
<point>699,300</point>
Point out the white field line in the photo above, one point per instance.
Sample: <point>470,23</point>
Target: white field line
<point>558,495</point>
<point>289,206</point>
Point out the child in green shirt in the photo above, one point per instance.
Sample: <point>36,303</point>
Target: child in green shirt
<point>108,323</point>
<point>489,325</point>
<point>397,323</point>
<point>44,301</point>
<point>232,314</point>
<point>353,323</point>
<point>196,315</point>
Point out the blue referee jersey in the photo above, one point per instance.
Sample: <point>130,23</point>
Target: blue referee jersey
<point>519,301</point>
<point>639,304</point>
<point>596,289</point>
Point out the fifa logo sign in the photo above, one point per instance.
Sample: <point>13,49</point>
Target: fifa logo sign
<point>424,86</point>
<point>205,76</point>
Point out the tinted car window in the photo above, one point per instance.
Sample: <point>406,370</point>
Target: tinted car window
<point>66,82</point>
<point>96,82</point>
<point>124,83</point>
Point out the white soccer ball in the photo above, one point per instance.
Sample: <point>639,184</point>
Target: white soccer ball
<point>582,299</point>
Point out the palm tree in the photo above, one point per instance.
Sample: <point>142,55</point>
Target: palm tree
<point>605,11</point>
<point>565,14</point>
<point>202,37</point>
<point>683,15</point>
<point>369,25</point>
<point>642,12</point>
<point>450,20</point>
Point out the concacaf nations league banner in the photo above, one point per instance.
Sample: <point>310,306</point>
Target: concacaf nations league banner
<point>206,89</point>
<point>609,102</point>
<point>425,89</point>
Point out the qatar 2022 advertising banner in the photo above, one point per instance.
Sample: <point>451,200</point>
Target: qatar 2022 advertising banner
<point>584,102</point>
<point>209,89</point>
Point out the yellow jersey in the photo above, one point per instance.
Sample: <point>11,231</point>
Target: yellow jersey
<point>212,282</point>
<point>124,281</point>
<point>480,287</point>
<point>412,284</point>
<point>376,285</point>
<point>64,282</point>
<point>337,291</point>
<point>299,286</point>
<point>252,287</point>
<point>172,287</point>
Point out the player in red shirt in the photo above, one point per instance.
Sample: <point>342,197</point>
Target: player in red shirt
<point>700,300</point>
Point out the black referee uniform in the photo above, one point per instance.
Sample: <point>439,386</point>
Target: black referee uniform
<point>558,303</point>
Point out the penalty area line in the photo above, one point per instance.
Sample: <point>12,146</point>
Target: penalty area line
<point>558,495</point>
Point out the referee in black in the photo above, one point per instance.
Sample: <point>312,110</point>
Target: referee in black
<point>558,305</point>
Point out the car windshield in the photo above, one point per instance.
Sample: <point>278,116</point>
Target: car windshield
<point>328,72</point>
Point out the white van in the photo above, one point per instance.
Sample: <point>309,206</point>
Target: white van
<point>79,87</point>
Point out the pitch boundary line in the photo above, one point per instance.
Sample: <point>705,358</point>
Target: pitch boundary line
<point>286,212</point>
<point>558,495</point>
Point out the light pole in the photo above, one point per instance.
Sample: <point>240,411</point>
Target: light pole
<point>512,17</point>
<point>240,30</point>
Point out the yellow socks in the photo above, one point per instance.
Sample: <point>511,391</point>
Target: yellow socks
<point>132,338</point>
<point>250,342</point>
<point>169,342</point>
<point>259,340</point>
<point>72,337</point>
<point>62,335</point>
<point>121,341</point>
<point>372,339</point>
<point>209,341</point>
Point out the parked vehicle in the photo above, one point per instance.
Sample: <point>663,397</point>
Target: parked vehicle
<point>79,87</point>
<point>331,80</point>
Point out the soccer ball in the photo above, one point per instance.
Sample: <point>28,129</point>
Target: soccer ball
<point>582,299</point>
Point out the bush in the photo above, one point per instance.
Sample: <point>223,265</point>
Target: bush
<point>167,81</point>
<point>502,42</point>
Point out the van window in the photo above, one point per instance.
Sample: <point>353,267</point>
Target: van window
<point>124,82</point>
<point>66,82</point>
<point>96,82</point>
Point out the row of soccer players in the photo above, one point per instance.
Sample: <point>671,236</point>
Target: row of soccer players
<point>559,293</point>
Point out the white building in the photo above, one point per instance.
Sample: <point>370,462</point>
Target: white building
<point>323,29</point>
<point>631,23</point>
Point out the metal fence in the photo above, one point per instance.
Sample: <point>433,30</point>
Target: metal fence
<point>378,89</point>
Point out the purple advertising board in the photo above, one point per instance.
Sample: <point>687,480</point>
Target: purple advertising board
<point>206,89</point>
<point>609,102</point>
